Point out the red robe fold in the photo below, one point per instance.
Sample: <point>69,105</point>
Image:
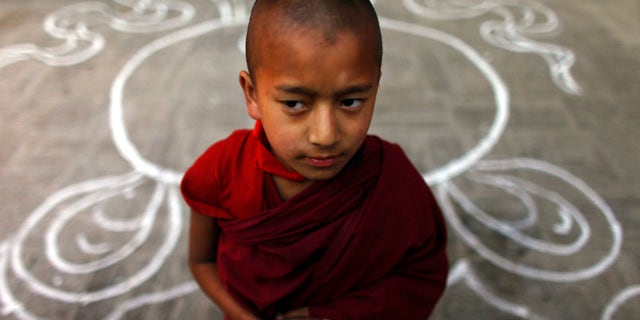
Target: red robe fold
<point>367,244</point>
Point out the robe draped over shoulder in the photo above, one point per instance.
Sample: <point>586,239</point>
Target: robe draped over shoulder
<point>367,244</point>
<point>232,178</point>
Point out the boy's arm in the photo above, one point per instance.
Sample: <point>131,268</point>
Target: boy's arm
<point>203,247</point>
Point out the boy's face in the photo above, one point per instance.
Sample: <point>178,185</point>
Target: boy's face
<point>315,98</point>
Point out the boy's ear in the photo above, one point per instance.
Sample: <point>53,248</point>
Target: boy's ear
<point>250,95</point>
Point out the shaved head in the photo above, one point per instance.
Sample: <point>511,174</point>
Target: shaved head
<point>274,21</point>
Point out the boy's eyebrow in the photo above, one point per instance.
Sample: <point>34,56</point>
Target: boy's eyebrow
<point>355,89</point>
<point>310,92</point>
<point>296,90</point>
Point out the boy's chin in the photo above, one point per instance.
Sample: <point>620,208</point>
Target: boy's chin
<point>320,174</point>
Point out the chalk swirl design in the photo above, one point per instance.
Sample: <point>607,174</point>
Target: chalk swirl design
<point>620,299</point>
<point>110,240</point>
<point>87,202</point>
<point>531,195</point>
<point>522,21</point>
<point>73,26</point>
<point>106,240</point>
<point>503,176</point>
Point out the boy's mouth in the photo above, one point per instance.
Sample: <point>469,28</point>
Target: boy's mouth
<point>322,161</point>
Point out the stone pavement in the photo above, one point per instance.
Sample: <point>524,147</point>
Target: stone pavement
<point>523,117</point>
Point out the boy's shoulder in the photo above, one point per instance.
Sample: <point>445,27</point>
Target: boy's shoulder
<point>236,140</point>
<point>206,185</point>
<point>386,148</point>
<point>229,146</point>
<point>219,156</point>
<point>394,160</point>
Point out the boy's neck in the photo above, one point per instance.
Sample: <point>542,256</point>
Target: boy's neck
<point>289,188</point>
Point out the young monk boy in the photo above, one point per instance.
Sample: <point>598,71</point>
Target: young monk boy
<point>306,215</point>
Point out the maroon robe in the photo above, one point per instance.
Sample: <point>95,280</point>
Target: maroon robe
<point>366,244</point>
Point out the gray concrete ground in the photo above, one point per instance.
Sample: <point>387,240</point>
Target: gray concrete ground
<point>537,174</point>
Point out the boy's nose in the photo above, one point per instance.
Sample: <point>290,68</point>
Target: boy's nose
<point>323,129</point>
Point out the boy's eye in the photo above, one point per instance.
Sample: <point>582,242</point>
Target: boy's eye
<point>352,103</point>
<point>293,105</point>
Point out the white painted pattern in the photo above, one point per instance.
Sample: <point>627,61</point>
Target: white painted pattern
<point>620,299</point>
<point>73,24</point>
<point>568,214</point>
<point>152,298</point>
<point>90,197</point>
<point>463,272</point>
<point>520,24</point>
<point>500,91</point>
<point>77,198</point>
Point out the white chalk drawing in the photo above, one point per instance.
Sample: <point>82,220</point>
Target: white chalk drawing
<point>500,92</point>
<point>526,191</point>
<point>73,24</point>
<point>522,21</point>
<point>462,271</point>
<point>90,200</point>
<point>71,201</point>
<point>620,299</point>
<point>494,174</point>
